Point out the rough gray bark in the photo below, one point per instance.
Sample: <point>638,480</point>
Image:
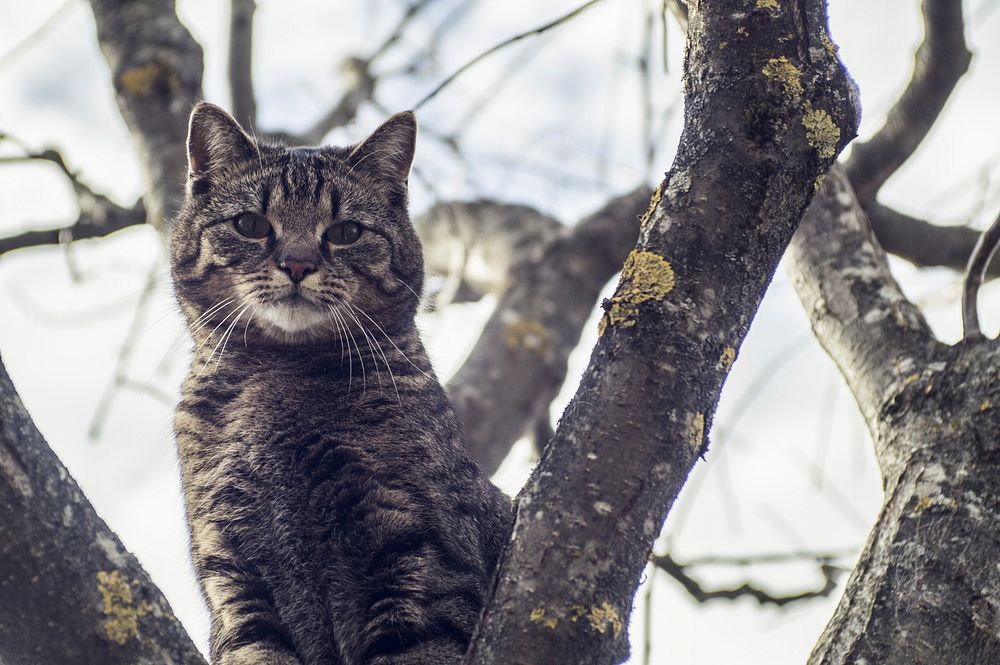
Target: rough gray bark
<point>926,588</point>
<point>156,68</point>
<point>519,361</point>
<point>765,116</point>
<point>71,592</point>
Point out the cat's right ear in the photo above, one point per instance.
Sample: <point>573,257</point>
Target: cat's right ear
<point>215,139</point>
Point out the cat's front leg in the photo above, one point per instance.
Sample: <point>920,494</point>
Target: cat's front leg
<point>246,628</point>
<point>256,654</point>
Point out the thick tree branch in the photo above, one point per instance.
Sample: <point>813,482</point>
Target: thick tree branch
<point>475,244</point>
<point>156,67</point>
<point>241,61</point>
<point>939,63</point>
<point>519,362</point>
<point>765,117</point>
<point>857,310</point>
<point>920,592</point>
<point>71,592</point>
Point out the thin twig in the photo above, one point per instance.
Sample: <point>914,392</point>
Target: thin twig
<point>679,571</point>
<point>502,45</point>
<point>974,274</point>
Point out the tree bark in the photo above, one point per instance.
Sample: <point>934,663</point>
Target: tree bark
<point>926,588</point>
<point>519,361</point>
<point>768,107</point>
<point>156,68</point>
<point>71,592</point>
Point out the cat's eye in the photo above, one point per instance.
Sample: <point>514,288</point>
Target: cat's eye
<point>343,233</point>
<point>252,225</point>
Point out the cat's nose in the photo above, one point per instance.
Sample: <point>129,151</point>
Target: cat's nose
<point>296,269</point>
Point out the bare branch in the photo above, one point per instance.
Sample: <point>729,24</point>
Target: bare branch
<point>860,316</point>
<point>475,244</point>
<point>99,216</point>
<point>636,426</point>
<point>359,83</point>
<point>156,67</point>
<point>940,62</point>
<point>679,571</point>
<point>502,45</point>
<point>519,362</point>
<point>985,249</point>
<point>241,60</point>
<point>922,243</point>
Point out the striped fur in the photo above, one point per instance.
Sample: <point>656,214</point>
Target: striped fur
<point>335,516</point>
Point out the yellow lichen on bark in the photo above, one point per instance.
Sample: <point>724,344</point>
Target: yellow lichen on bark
<point>788,75</point>
<point>645,276</point>
<point>538,616</point>
<point>771,5</point>
<point>697,430</point>
<point>653,202</point>
<point>120,608</point>
<point>600,618</point>
<point>821,132</point>
<point>726,358</point>
<point>141,80</point>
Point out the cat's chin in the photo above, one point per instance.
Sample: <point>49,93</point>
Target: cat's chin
<point>291,321</point>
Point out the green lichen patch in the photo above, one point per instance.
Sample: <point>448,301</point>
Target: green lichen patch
<point>821,132</point>
<point>645,276</point>
<point>771,5</point>
<point>121,609</point>
<point>527,335</point>
<point>788,75</point>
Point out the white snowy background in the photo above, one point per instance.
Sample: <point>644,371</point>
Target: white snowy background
<point>790,466</point>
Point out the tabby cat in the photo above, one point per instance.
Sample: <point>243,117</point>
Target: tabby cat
<point>335,517</point>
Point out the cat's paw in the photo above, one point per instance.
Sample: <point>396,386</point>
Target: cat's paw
<point>254,654</point>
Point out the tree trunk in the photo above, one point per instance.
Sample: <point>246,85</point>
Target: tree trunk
<point>70,591</point>
<point>927,588</point>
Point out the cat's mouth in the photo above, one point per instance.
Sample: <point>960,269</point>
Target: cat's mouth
<point>292,314</point>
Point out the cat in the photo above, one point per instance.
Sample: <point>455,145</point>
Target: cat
<point>335,516</point>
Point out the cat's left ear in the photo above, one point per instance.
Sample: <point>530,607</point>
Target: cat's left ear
<point>388,152</point>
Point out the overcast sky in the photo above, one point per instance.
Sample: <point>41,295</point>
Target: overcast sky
<point>560,128</point>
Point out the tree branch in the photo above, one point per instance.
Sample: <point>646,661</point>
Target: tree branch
<point>99,216</point>
<point>940,61</point>
<point>679,571</point>
<point>764,118</point>
<point>241,61</point>
<point>475,244</point>
<point>985,250</point>
<point>156,67</point>
<point>874,334</point>
<point>519,362</point>
<point>72,593</point>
